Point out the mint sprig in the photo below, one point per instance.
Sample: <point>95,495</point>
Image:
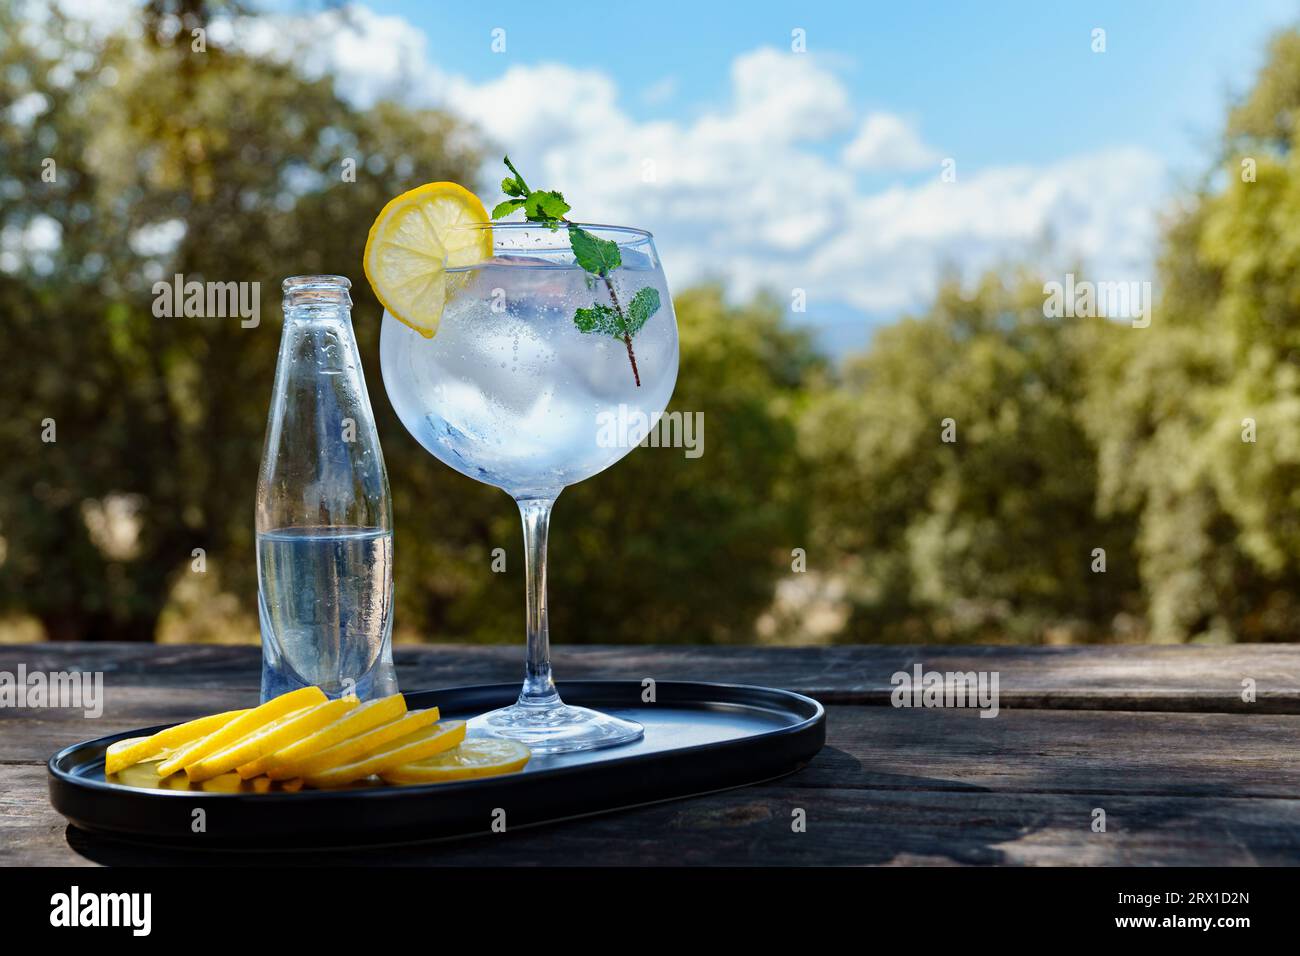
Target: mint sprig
<point>597,256</point>
<point>603,318</point>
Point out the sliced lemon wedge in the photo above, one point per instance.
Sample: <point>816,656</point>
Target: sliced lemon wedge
<point>269,738</point>
<point>423,743</point>
<point>412,242</point>
<point>134,750</point>
<point>366,717</point>
<point>475,757</point>
<point>127,753</point>
<point>244,724</point>
<point>353,748</point>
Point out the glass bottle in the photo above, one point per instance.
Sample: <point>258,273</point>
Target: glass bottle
<point>324,515</point>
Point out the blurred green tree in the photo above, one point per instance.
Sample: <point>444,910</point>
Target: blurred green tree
<point>953,487</point>
<point>672,549</point>
<point>227,167</point>
<point>1197,417</point>
<point>133,440</point>
<point>163,160</point>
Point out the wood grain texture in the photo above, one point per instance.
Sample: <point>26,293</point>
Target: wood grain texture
<point>1187,772</point>
<point>1119,677</point>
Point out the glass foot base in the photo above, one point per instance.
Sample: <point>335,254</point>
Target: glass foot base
<point>557,728</point>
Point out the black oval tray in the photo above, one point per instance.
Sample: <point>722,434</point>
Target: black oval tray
<point>699,738</point>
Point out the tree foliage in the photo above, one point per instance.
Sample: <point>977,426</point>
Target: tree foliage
<point>239,157</point>
<point>159,421</point>
<point>1197,418</point>
<point>674,549</point>
<point>1171,453</point>
<point>956,481</point>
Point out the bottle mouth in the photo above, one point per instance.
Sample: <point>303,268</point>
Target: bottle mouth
<point>324,290</point>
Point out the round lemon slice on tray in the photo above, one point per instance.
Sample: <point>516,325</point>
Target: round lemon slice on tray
<point>474,757</point>
<point>414,239</point>
<point>414,746</point>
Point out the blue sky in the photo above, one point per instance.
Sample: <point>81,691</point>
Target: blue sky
<point>820,171</point>
<point>992,81</point>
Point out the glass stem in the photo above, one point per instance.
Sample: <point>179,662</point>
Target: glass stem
<point>539,689</point>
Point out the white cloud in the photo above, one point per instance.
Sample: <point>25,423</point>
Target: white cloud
<point>370,56</point>
<point>744,190</point>
<point>1096,209</point>
<point>886,142</point>
<point>762,186</point>
<point>529,107</point>
<point>660,92</point>
<point>784,98</point>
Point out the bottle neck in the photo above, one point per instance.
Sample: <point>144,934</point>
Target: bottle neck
<point>311,298</point>
<point>302,313</point>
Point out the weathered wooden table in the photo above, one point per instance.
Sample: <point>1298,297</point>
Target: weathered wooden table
<point>1160,738</point>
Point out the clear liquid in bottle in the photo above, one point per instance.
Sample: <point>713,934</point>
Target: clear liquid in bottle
<point>324,515</point>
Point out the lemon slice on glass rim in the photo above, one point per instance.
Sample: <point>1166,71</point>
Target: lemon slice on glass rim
<point>412,242</point>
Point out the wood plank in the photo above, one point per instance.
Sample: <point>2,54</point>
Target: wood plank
<point>1113,677</point>
<point>35,734</point>
<point>1059,752</point>
<point>893,785</point>
<point>752,826</point>
<point>884,748</point>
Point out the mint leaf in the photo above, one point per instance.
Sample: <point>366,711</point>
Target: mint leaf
<point>513,187</point>
<point>518,180</point>
<point>644,304</point>
<point>545,206</point>
<point>599,318</point>
<point>594,254</point>
<point>506,208</point>
<point>607,320</point>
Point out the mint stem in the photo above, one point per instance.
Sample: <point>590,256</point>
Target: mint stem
<point>519,179</point>
<point>550,210</point>
<point>622,319</point>
<point>627,339</point>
